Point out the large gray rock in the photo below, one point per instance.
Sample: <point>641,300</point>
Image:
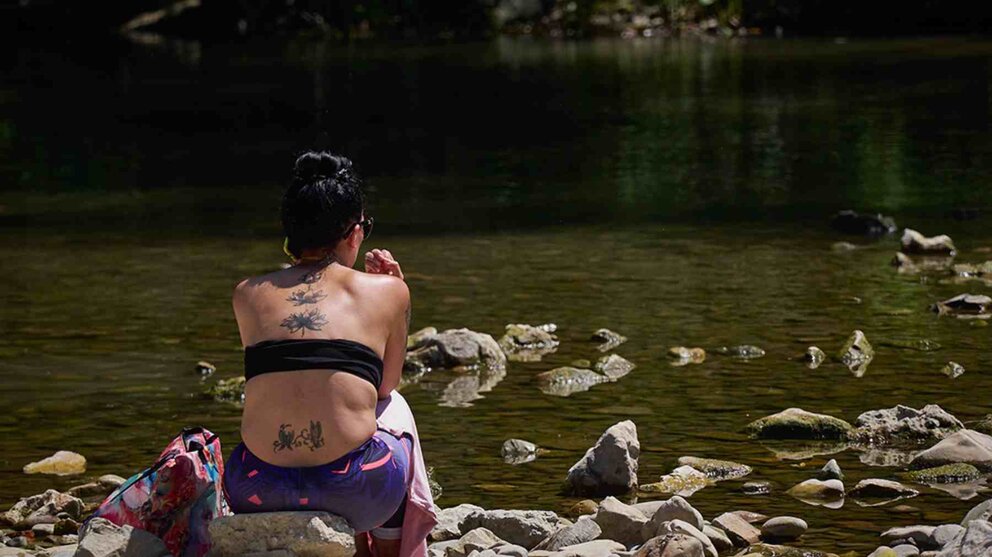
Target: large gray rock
<point>718,538</point>
<point>314,534</point>
<point>914,242</point>
<point>675,508</point>
<point>945,534</point>
<point>449,522</point>
<point>102,538</point>
<point>566,381</point>
<point>523,528</point>
<point>610,466</point>
<point>672,545</point>
<point>454,348</point>
<point>42,509</point>
<point>620,522</point>
<point>796,423</point>
<point>975,541</point>
<point>904,424</point>
<point>584,530</point>
<point>919,535</point>
<point>965,446</point>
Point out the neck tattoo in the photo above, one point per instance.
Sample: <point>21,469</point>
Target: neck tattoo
<point>308,319</point>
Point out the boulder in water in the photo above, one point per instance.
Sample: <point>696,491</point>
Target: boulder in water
<point>814,357</point>
<point>796,423</point>
<point>62,463</point>
<point>902,424</point>
<point>456,348</point>
<point>875,488</point>
<point>518,451</point>
<point>419,338</point>
<point>565,381</point>
<point>614,366</point>
<point>680,355</point>
<point>978,305</point>
<point>783,528</point>
<point>857,353</point>
<point>946,474</point>
<point>716,469</point>
<point>965,446</point>
<point>228,390</point>
<point>818,489</point>
<point>683,481</point>
<point>610,466</point>
<point>608,339</point>
<point>953,370</point>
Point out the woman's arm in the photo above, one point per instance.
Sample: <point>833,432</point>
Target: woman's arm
<point>392,368</point>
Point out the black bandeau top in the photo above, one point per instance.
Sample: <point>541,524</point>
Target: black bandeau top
<point>348,356</point>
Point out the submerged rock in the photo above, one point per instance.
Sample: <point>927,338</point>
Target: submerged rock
<point>756,488</point>
<point>914,242</point>
<point>851,222</point>
<point>610,466</point>
<point>518,451</point>
<point>716,469</point>
<point>817,489</point>
<point>683,481</point>
<point>953,370</point>
<point>965,305</point>
<point>796,423</point>
<point>526,343</point>
<point>614,367</point>
<point>565,381</point>
<point>680,355</point>
<point>462,391</point>
<point>874,488</point>
<point>946,474</point>
<point>857,353</point>
<point>814,357</point>
<point>608,339</point>
<point>62,463</point>
<point>743,351</point>
<point>205,369</point>
<point>965,446</point>
<point>228,390</point>
<point>456,348</point>
<point>902,424</point>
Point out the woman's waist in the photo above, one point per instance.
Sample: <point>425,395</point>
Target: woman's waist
<point>300,436</point>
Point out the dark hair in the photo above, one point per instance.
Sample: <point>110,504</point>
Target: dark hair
<point>323,201</point>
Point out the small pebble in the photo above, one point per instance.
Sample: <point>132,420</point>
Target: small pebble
<point>205,369</point>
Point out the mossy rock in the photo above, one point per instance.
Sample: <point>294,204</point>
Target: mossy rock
<point>946,474</point>
<point>796,423</point>
<point>716,469</point>
<point>228,390</point>
<point>984,425</point>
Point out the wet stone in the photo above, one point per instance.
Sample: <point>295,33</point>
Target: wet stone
<point>716,469</point>
<point>965,305</point>
<point>614,366</point>
<point>566,381</point>
<point>796,423</point>
<point>608,339</point>
<point>914,242</point>
<point>857,353</point>
<point>756,488</point>
<point>830,471</point>
<point>783,528</point>
<point>527,343</point>
<point>681,356</point>
<point>205,369</point>
<point>228,390</point>
<point>62,463</point>
<point>953,370</point>
<point>814,357</point>
<point>683,481</point>
<point>947,474</point>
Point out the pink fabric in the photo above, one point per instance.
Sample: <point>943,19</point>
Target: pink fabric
<point>394,415</point>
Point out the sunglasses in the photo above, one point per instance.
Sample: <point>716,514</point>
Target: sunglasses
<point>366,226</point>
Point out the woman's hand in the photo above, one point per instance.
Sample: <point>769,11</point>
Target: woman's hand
<point>381,262</point>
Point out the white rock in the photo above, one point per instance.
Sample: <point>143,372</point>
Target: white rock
<point>102,538</point>
<point>610,466</point>
<point>310,533</point>
<point>975,541</point>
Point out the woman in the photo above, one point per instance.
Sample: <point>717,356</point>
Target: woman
<point>324,344</point>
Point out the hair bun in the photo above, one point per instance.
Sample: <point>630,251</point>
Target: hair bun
<point>317,165</point>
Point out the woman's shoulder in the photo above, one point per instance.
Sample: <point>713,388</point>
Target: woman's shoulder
<point>380,285</point>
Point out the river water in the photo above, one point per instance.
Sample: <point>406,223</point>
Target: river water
<point>675,191</point>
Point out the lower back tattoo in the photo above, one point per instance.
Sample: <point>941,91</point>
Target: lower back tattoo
<point>288,439</point>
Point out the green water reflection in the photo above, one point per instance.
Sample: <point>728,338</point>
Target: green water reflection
<point>675,192</point>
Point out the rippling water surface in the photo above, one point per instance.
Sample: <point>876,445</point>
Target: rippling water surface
<point>676,192</point>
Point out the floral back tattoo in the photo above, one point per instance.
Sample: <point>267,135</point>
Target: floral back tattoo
<point>311,319</point>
